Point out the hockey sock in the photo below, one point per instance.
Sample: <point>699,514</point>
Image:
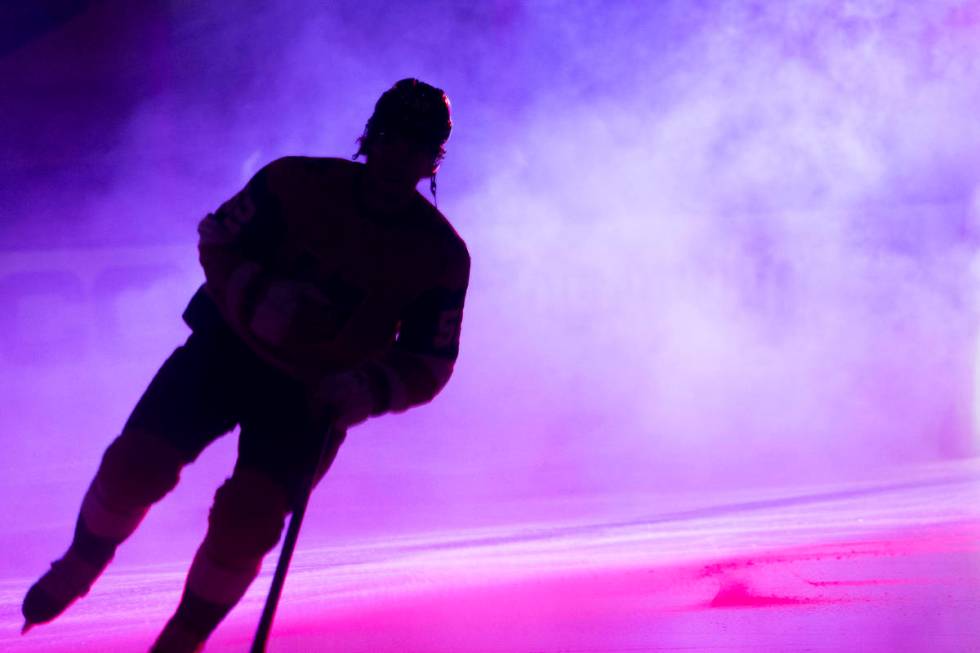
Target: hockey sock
<point>90,547</point>
<point>199,614</point>
<point>191,625</point>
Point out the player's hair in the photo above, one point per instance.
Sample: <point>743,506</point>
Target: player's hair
<point>414,110</point>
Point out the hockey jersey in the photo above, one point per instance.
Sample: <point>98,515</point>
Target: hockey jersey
<point>315,284</point>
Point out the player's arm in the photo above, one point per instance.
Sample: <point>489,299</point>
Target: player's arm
<point>421,361</point>
<point>415,368</point>
<point>235,245</point>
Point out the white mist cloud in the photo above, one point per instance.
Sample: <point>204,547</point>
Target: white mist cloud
<point>751,265</point>
<point>714,243</point>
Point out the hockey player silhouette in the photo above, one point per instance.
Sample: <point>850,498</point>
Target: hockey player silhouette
<point>332,288</point>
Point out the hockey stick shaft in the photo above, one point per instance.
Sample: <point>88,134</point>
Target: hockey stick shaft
<point>288,546</point>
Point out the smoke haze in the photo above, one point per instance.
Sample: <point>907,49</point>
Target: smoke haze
<point>716,245</point>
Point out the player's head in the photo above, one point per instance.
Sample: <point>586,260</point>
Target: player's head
<point>412,116</point>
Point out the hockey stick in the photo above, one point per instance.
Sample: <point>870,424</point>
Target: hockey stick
<point>288,545</point>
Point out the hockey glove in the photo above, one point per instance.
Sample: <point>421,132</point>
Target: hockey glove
<point>293,311</point>
<point>347,396</point>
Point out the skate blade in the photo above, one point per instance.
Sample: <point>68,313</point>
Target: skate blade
<point>27,626</point>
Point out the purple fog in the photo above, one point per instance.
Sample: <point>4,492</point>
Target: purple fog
<point>725,268</point>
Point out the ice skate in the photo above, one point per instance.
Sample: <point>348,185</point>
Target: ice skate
<point>69,578</point>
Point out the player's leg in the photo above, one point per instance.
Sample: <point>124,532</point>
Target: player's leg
<point>245,523</point>
<point>277,447</point>
<point>188,404</point>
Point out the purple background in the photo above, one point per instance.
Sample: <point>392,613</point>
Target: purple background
<point>718,247</point>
